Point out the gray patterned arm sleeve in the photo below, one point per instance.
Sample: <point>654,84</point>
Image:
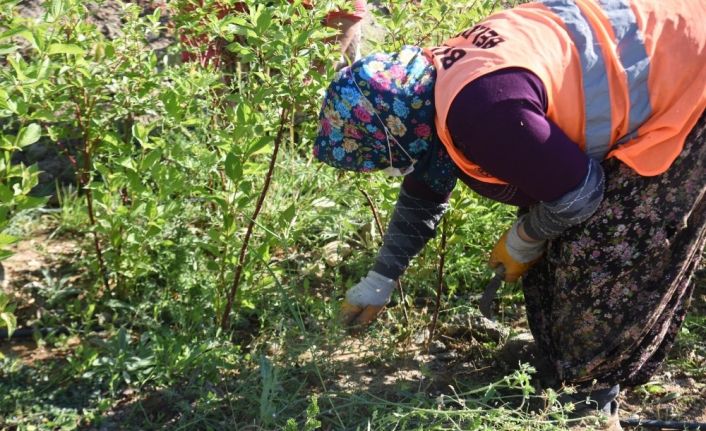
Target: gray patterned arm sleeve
<point>412,225</point>
<point>548,220</point>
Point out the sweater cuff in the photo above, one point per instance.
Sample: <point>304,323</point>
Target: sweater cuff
<point>548,220</point>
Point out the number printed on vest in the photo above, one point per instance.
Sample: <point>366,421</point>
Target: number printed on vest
<point>448,55</point>
<point>481,36</point>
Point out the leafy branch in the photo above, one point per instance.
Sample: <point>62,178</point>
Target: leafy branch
<point>283,123</point>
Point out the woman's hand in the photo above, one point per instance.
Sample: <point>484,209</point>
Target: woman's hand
<point>365,300</point>
<point>516,252</point>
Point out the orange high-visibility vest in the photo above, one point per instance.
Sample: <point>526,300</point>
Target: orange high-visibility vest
<point>624,78</point>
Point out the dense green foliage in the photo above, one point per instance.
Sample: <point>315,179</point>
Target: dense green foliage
<point>171,159</point>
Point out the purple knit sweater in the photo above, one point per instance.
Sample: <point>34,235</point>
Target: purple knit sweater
<point>498,121</point>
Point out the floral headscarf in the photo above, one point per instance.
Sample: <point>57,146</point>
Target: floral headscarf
<point>397,90</point>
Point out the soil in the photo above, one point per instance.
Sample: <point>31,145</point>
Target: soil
<point>35,262</point>
<point>459,355</point>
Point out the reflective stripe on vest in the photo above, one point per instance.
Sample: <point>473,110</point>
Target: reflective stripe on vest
<point>634,67</point>
<point>635,61</point>
<point>633,57</point>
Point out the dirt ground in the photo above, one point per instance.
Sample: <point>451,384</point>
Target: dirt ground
<point>36,262</point>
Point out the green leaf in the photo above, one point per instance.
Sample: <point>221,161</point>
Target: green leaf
<point>111,138</point>
<point>39,34</point>
<point>28,135</point>
<point>6,145</point>
<point>20,31</point>
<point>141,132</point>
<point>19,106</point>
<point>135,181</point>
<point>6,239</point>
<point>234,168</point>
<point>65,48</point>
<point>47,116</point>
<point>4,97</point>
<point>246,187</point>
<point>6,194</point>
<point>19,68</point>
<point>171,104</point>
<point>109,51</point>
<point>655,388</point>
<point>43,70</point>
<point>288,214</point>
<point>259,145</point>
<point>323,203</point>
<point>248,305</point>
<point>7,48</point>
<point>126,162</point>
<point>117,305</point>
<point>151,159</point>
<point>4,210</point>
<point>4,254</point>
<point>31,202</point>
<point>10,322</point>
<point>57,8</point>
<point>263,21</point>
<point>228,223</point>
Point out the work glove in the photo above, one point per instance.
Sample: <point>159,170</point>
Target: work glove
<point>366,299</point>
<point>515,254</point>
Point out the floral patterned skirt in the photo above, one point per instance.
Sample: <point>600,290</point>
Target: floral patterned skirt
<point>608,299</point>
